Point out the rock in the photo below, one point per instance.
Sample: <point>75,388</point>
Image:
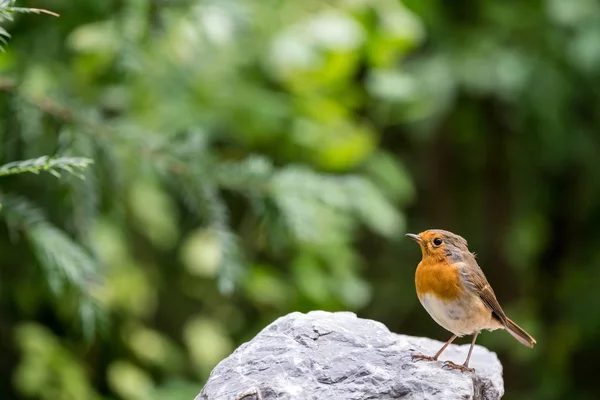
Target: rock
<point>337,356</point>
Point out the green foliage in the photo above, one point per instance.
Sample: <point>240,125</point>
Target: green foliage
<point>253,158</point>
<point>7,12</point>
<point>65,264</point>
<point>45,163</point>
<point>232,175</point>
<point>48,370</point>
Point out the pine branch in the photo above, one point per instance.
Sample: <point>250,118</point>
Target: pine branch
<point>64,263</point>
<point>231,265</point>
<point>85,193</point>
<point>45,104</point>
<point>202,198</point>
<point>22,10</point>
<point>8,9</point>
<point>4,36</point>
<point>249,175</point>
<point>71,165</point>
<point>64,260</point>
<point>7,12</point>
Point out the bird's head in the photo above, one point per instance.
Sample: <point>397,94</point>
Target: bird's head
<point>441,245</point>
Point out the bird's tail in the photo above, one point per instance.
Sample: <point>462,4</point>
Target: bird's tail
<point>518,333</point>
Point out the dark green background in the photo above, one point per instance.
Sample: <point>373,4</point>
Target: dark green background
<point>253,158</point>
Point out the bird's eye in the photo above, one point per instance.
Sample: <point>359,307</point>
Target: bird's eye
<point>437,241</point>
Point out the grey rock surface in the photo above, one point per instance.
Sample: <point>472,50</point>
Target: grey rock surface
<point>337,356</point>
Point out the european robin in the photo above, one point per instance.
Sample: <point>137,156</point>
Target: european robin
<point>454,291</point>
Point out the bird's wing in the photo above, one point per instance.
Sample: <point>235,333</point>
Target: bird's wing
<point>474,279</point>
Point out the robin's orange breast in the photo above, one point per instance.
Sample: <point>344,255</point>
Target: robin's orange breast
<point>440,279</point>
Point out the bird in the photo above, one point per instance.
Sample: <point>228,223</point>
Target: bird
<point>454,291</point>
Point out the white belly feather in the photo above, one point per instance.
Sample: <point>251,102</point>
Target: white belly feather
<point>461,317</point>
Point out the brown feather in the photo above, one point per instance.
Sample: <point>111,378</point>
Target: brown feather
<point>519,333</point>
<point>474,279</point>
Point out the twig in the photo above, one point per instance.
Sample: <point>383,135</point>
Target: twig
<point>41,10</point>
<point>43,103</point>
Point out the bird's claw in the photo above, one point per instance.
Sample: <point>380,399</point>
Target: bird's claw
<point>447,364</point>
<point>422,357</point>
<point>463,368</point>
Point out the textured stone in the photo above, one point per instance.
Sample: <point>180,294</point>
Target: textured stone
<point>333,356</point>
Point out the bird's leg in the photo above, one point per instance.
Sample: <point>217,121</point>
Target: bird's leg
<point>444,347</point>
<point>465,366</point>
<point>434,358</point>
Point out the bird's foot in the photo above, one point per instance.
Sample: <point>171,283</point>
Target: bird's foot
<point>249,394</point>
<point>462,368</point>
<point>422,357</point>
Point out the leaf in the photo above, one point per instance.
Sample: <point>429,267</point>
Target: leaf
<point>71,165</point>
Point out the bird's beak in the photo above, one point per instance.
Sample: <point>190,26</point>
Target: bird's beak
<point>414,237</point>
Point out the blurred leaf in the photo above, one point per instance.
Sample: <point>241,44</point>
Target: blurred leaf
<point>354,292</point>
<point>265,286</point>
<point>201,253</point>
<point>154,213</point>
<point>96,37</point>
<point>48,370</point>
<point>207,342</point>
<point>154,348</point>
<point>391,176</point>
<point>303,47</point>
<point>321,209</point>
<point>176,390</point>
<point>399,30</point>
<point>311,279</point>
<point>129,381</point>
<point>572,13</point>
